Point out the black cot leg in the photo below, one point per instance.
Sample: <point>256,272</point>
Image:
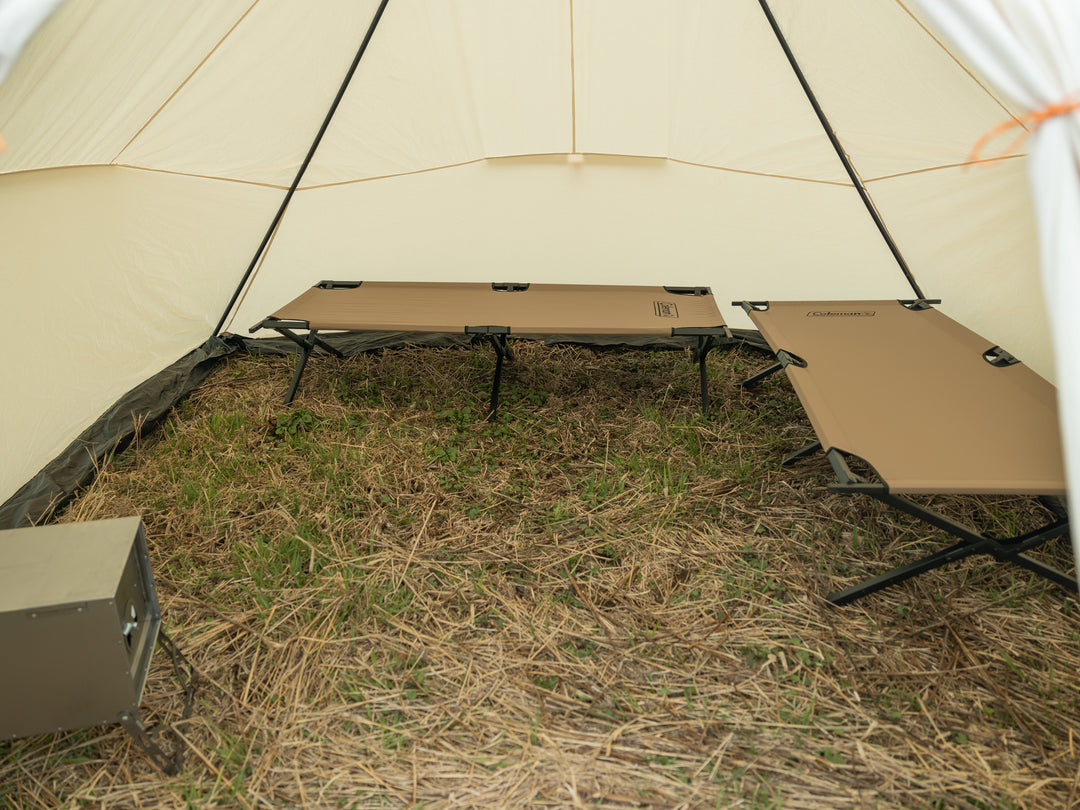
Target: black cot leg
<point>791,458</point>
<point>954,552</point>
<point>999,550</point>
<point>704,344</point>
<point>708,338</point>
<point>307,345</point>
<point>761,375</point>
<point>502,352</point>
<point>1059,578</point>
<point>497,336</point>
<point>301,361</point>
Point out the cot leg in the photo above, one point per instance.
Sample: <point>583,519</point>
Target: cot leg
<point>307,344</point>
<point>954,552</point>
<point>813,447</point>
<point>705,343</point>
<point>322,344</point>
<point>1059,578</point>
<point>502,351</point>
<point>301,361</point>
<point>761,375</point>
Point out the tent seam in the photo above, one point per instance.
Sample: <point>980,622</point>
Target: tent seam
<point>134,168</point>
<point>185,82</point>
<point>838,184</point>
<point>946,166</point>
<point>282,187</point>
<point>982,85</point>
<point>573,85</point>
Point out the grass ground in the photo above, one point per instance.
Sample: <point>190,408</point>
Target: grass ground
<point>600,600</point>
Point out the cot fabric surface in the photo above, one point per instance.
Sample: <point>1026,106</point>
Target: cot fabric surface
<point>531,309</point>
<point>915,395</point>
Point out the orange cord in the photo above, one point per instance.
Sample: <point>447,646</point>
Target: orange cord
<point>1029,122</point>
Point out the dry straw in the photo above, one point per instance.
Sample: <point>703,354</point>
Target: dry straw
<point>600,600</point>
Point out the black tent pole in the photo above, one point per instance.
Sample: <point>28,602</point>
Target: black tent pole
<point>303,166</point>
<point>840,150</point>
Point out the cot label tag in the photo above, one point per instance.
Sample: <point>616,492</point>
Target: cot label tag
<point>665,309</point>
<point>841,313</point>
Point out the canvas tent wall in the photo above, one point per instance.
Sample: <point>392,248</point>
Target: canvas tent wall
<point>152,146</point>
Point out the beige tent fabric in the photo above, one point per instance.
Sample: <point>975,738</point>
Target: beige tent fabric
<point>909,392</point>
<point>100,313</point>
<point>151,144</point>
<point>251,110</point>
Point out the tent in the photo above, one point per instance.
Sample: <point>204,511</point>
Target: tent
<point>176,171</point>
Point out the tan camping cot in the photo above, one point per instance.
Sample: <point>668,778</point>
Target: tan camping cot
<point>494,312</point>
<point>927,407</point>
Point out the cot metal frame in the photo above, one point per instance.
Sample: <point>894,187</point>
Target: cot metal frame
<point>970,541</point>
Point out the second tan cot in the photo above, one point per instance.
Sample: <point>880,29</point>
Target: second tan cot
<point>929,407</point>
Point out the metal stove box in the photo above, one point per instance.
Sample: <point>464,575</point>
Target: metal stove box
<point>79,619</point>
